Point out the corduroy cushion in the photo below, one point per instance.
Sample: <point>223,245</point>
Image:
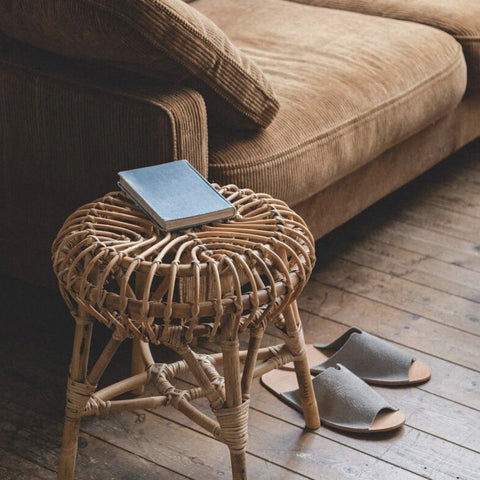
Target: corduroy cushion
<point>350,86</point>
<point>459,18</point>
<point>167,39</point>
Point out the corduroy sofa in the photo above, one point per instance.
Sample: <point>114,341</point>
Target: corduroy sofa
<point>326,104</point>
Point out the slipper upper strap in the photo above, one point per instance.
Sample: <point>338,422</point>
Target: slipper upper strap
<point>368,357</point>
<point>344,400</point>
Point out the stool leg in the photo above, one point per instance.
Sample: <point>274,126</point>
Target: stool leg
<point>236,408</point>
<point>138,364</point>
<point>256,336</point>
<point>296,343</point>
<point>78,373</point>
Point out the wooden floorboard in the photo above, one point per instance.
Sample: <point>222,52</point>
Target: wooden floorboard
<point>419,240</point>
<point>407,270</point>
<point>445,309</point>
<point>15,467</point>
<point>417,268</point>
<point>391,323</point>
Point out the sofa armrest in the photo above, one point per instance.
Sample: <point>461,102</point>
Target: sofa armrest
<point>64,136</point>
<point>182,109</point>
<point>183,130</point>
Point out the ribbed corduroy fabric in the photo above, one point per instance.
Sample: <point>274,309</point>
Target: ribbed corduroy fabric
<point>62,142</point>
<point>351,86</point>
<point>166,39</point>
<point>351,194</point>
<point>459,18</point>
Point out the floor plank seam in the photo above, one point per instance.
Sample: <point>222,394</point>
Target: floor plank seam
<point>444,440</point>
<point>432,228</point>
<point>415,252</point>
<point>471,250</point>
<point>421,387</point>
<point>344,444</point>
<point>396,343</point>
<point>30,460</point>
<point>407,425</point>
<point>460,404</point>
<point>449,209</point>
<point>283,467</point>
<point>84,431</point>
<point>402,277</point>
<point>146,459</point>
<point>415,349</point>
<point>391,306</point>
<point>348,325</point>
<point>206,434</point>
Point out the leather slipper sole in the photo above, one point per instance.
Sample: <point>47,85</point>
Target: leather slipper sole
<point>345,402</point>
<point>374,360</point>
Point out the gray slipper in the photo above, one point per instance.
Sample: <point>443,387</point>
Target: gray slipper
<point>370,358</point>
<point>344,401</point>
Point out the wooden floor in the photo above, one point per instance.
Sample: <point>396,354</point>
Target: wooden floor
<point>407,270</point>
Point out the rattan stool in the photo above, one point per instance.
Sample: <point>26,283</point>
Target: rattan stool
<point>217,281</point>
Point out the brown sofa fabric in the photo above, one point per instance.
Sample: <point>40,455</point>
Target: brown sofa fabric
<point>351,194</point>
<point>351,86</point>
<point>166,39</point>
<point>63,142</point>
<point>459,18</point>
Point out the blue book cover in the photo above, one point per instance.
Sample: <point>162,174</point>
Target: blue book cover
<point>175,195</point>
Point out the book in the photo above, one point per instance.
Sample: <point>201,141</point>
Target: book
<point>175,195</point>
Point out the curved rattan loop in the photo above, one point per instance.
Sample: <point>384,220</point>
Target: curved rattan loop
<point>251,266</point>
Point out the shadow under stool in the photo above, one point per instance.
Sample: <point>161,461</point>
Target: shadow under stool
<point>217,281</point>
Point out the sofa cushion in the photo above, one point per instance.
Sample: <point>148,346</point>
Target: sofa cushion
<point>459,18</point>
<point>350,87</point>
<point>167,39</point>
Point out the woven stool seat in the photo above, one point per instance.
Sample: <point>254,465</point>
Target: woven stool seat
<point>114,265</point>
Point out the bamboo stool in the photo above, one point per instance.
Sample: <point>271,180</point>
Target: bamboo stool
<point>216,281</point>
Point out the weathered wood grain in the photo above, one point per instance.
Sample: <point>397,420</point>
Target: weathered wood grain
<point>420,240</point>
<point>407,270</point>
<point>400,326</point>
<point>439,307</point>
<point>35,438</point>
<point>412,449</point>
<point>417,268</point>
<point>449,381</point>
<point>270,415</point>
<point>437,219</point>
<point>14,467</point>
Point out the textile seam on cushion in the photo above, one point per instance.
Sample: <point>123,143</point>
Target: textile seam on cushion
<point>366,116</point>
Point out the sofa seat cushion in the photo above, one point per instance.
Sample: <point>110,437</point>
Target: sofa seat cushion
<point>166,39</point>
<point>350,87</point>
<point>459,18</point>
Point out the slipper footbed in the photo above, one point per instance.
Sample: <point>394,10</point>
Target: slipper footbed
<point>279,382</point>
<point>419,372</point>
